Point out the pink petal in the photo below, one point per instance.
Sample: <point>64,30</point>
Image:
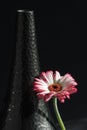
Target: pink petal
<point>49,75</point>
<point>40,84</point>
<point>61,80</point>
<point>71,89</point>
<point>68,96</point>
<point>39,88</point>
<point>48,96</point>
<point>65,94</point>
<point>40,81</point>
<point>62,100</point>
<point>56,76</point>
<point>44,78</point>
<point>45,95</point>
<point>67,84</point>
<point>67,80</point>
<point>42,93</point>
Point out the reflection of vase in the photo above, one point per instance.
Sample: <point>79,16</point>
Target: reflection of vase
<point>25,112</point>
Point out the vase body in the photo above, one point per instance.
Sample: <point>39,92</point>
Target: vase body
<point>24,111</point>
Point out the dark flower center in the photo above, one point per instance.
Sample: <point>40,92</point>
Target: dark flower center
<point>55,87</point>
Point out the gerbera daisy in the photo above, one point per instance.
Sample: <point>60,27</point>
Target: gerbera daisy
<point>51,84</point>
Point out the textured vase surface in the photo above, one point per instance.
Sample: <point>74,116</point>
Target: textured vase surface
<point>24,111</point>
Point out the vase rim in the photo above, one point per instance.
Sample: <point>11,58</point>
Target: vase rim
<point>24,11</point>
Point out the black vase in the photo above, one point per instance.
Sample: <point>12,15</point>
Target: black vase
<point>24,111</point>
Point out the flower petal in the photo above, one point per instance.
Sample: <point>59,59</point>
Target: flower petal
<point>71,89</point>
<point>39,85</point>
<point>66,93</point>
<point>40,81</point>
<point>67,84</point>
<point>49,75</point>
<point>61,80</point>
<point>48,96</point>
<point>39,88</point>
<point>56,76</point>
<point>43,76</point>
<point>67,80</point>
<point>42,95</point>
<point>62,96</point>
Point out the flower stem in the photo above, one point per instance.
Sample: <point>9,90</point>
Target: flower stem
<point>59,119</point>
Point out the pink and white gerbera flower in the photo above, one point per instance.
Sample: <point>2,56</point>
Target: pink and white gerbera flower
<point>51,84</point>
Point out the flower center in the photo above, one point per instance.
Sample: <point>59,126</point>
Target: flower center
<point>55,87</point>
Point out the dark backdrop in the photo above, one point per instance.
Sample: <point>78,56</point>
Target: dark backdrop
<point>61,40</point>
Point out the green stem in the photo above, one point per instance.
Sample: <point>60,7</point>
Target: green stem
<point>59,119</point>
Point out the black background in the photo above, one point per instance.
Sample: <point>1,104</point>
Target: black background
<point>61,39</point>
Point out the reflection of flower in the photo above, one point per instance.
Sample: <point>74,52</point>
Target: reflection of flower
<point>51,84</point>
